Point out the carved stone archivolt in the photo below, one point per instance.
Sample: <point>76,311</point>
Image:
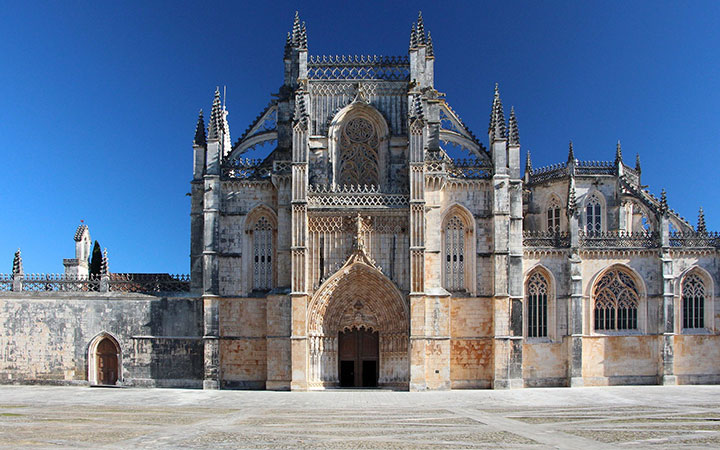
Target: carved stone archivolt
<point>358,296</point>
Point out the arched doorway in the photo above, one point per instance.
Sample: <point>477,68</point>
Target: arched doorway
<point>358,322</point>
<point>104,361</point>
<point>358,354</point>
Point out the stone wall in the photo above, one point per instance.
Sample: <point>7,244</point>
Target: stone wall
<point>45,337</point>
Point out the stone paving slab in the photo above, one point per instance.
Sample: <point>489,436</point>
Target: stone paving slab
<point>585,418</point>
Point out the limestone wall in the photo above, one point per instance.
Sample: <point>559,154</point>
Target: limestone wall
<point>243,348</point>
<point>609,360</point>
<point>471,343</point>
<point>45,337</point>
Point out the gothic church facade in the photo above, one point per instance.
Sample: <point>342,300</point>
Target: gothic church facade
<point>381,243</point>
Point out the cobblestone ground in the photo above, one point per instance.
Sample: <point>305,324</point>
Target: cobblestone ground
<point>577,418</point>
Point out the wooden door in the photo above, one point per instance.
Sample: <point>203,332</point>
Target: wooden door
<point>107,363</point>
<point>358,351</point>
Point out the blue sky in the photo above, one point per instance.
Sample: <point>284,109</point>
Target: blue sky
<point>100,100</point>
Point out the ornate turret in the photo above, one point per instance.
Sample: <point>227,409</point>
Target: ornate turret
<point>618,153</point>
<point>513,133</point>
<point>637,162</point>
<point>420,29</point>
<point>497,130</point>
<point>701,228</point>
<point>413,37</point>
<point>429,52</point>
<point>295,54</point>
<point>421,55</point>
<point>216,118</point>
<point>200,138</point>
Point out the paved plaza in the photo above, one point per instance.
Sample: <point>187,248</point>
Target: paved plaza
<point>578,418</point>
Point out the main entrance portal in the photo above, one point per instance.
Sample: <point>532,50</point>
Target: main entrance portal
<point>358,349</point>
<point>357,325</point>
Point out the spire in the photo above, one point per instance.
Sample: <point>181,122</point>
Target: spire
<point>302,40</point>
<point>497,117</point>
<point>571,154</point>
<point>618,153</point>
<point>413,37</point>
<point>429,53</point>
<point>200,131</point>
<point>216,117</point>
<point>701,228</point>
<point>513,133</point>
<point>420,29</point>
<point>528,163</point>
<point>637,162</point>
<point>104,264</point>
<point>17,264</point>
<point>296,30</point>
<point>663,202</point>
<point>288,46</point>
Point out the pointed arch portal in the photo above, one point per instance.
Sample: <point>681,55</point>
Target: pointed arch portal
<point>358,324</point>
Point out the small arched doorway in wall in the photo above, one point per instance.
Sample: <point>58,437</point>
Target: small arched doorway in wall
<point>358,355</point>
<point>104,358</point>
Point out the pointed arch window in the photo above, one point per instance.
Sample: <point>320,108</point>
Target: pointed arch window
<point>693,302</point>
<point>359,144</point>
<point>593,215</point>
<point>553,216</point>
<point>454,254</point>
<point>262,254</point>
<point>616,302</point>
<point>536,297</point>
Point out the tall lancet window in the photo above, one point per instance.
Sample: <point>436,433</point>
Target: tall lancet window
<point>359,153</point>
<point>553,216</point>
<point>536,294</point>
<point>693,302</point>
<point>616,302</point>
<point>593,215</point>
<point>454,255</point>
<point>262,254</point>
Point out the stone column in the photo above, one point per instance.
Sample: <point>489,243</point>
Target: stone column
<point>668,311</point>
<point>298,295</point>
<point>211,339</point>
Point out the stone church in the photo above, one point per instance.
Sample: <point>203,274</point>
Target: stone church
<point>379,242</point>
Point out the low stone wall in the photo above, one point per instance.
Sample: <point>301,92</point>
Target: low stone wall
<point>45,337</point>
